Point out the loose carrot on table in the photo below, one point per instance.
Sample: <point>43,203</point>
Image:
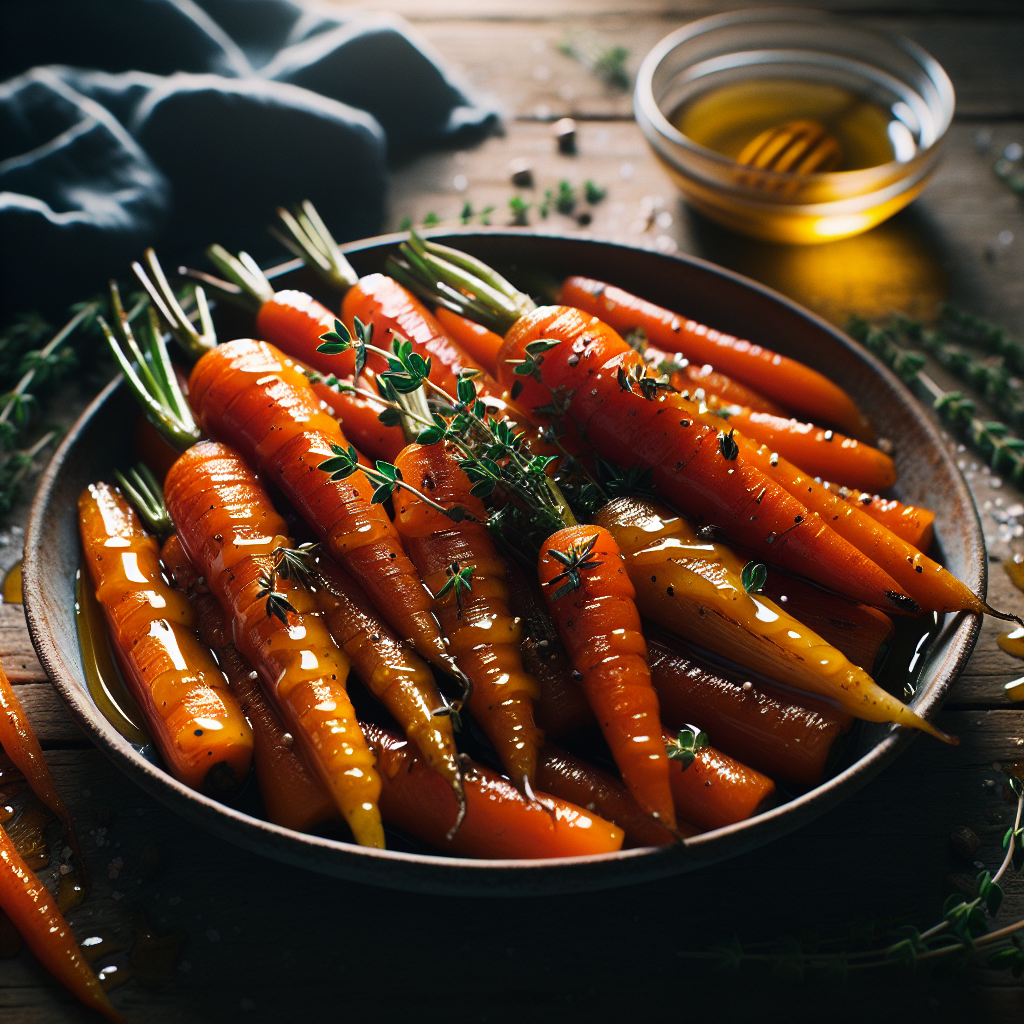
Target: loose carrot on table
<point>395,675</point>
<point>461,566</point>
<point>293,796</point>
<point>912,523</point>
<point>738,793</point>
<point>591,599</point>
<point>33,911</point>
<point>796,386</point>
<point>20,744</point>
<point>250,395</point>
<point>193,718</point>
<point>499,822</point>
<point>230,531</point>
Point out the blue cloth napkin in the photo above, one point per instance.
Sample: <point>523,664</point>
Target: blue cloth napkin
<point>177,123</point>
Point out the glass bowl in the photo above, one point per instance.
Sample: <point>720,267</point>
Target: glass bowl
<point>805,46</point>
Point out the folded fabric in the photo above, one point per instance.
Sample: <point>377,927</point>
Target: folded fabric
<point>177,123</point>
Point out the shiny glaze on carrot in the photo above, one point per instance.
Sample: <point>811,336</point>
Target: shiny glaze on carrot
<point>480,343</point>
<point>395,675</point>
<point>688,457</point>
<point>293,796</point>
<point>600,627</point>
<point>796,386</point>
<point>34,912</point>
<point>716,790</point>
<point>482,632</point>
<point>911,522</point>
<point>229,529</point>
<point>294,321</point>
<point>693,377</point>
<point>191,714</point>
<point>359,418</point>
<point>251,396</point>
<point>500,823</point>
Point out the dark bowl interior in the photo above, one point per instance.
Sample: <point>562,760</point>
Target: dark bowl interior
<point>101,440</point>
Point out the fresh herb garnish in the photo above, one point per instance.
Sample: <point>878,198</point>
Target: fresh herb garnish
<point>576,559</point>
<point>685,747</point>
<point>754,577</point>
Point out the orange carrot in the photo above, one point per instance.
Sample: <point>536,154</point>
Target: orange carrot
<point>911,522</point>
<point>294,321</point>
<point>396,676</point>
<point>250,395</point>
<point>293,796</point>
<point>569,778</point>
<point>716,790</point>
<point>32,910</point>
<point>818,452</point>
<point>230,530</point>
<point>499,823</point>
<point>725,388</point>
<point>778,377</point>
<point>694,465</point>
<point>591,599</point>
<point>483,634</point>
<point>193,718</point>
<point>481,344</point>
<point>359,418</point>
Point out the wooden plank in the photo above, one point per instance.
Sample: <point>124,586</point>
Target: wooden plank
<point>981,57</point>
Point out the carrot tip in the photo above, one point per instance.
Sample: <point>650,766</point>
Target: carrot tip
<point>461,816</point>
<point>1008,616</point>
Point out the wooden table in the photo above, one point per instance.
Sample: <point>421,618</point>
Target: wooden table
<point>265,943</point>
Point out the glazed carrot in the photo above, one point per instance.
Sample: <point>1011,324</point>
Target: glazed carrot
<point>483,634</point>
<point>699,589</point>
<point>862,633</point>
<point>20,744</point>
<point>499,823</point>
<point>480,344</point>
<point>230,531</point>
<point>762,726</point>
<point>396,676</point>
<point>193,718</point>
<point>569,778</point>
<point>694,466</point>
<point>562,706</point>
<point>294,321</point>
<point>911,522</point>
<point>777,377</point>
<point>591,599</point>
<point>693,376</point>
<point>359,417</point>
<point>818,452</point>
<point>250,395</point>
<point>293,796</point>
<point>32,910</point>
<point>716,790</point>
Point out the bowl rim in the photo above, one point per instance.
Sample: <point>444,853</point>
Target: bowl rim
<point>438,873</point>
<point>648,111</point>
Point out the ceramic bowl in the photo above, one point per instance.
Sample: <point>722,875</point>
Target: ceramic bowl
<point>101,440</point>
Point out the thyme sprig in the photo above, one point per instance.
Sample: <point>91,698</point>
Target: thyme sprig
<point>962,932</point>
<point>459,583</point>
<point>686,745</point>
<point>576,559</point>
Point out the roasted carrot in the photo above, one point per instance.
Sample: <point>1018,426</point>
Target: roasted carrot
<point>569,778</point>
<point>481,344</point>
<point>797,387</point>
<point>591,599</point>
<point>562,706</point>
<point>20,744</point>
<point>693,376</point>
<point>911,522</point>
<point>230,531</point>
<point>701,590</point>
<point>294,321</point>
<point>862,633</point>
<point>396,676</point>
<point>483,634</point>
<point>499,823</point>
<point>359,417</point>
<point>193,718</point>
<point>694,466</point>
<point>250,395</point>
<point>815,450</point>
<point>292,795</point>
<point>716,790</point>
<point>762,726</point>
<point>32,910</point>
